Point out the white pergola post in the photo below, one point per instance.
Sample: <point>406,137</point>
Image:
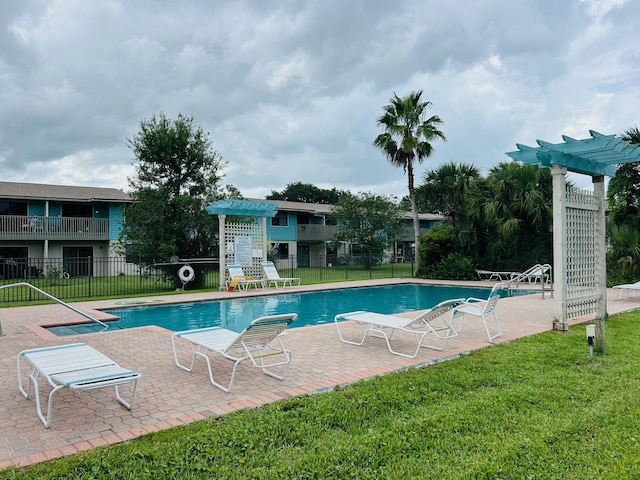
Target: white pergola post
<point>264,239</point>
<point>600,251</point>
<point>560,321</point>
<point>222,247</point>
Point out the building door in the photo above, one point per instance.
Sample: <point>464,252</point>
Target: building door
<point>78,261</point>
<point>303,256</point>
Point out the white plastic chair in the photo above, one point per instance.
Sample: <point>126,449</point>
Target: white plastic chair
<point>274,278</point>
<point>239,279</point>
<point>482,309</point>
<point>630,288</point>
<point>379,325</point>
<point>259,342</point>
<point>76,366</point>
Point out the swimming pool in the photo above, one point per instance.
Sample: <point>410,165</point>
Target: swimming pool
<point>313,308</point>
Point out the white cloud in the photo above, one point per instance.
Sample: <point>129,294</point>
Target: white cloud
<point>290,91</point>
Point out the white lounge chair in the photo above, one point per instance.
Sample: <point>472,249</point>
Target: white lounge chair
<point>273,277</point>
<point>481,308</point>
<point>259,342</point>
<point>535,274</point>
<point>384,326</point>
<point>238,279</point>
<point>76,366</point>
<point>491,275</point>
<point>630,288</point>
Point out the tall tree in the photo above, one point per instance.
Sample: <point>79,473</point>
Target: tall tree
<point>177,173</point>
<point>407,138</point>
<point>512,213</point>
<point>307,193</point>
<point>444,189</point>
<point>623,192</point>
<point>371,221</point>
<point>623,233</point>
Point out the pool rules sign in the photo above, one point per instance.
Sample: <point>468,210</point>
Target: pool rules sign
<point>242,250</point>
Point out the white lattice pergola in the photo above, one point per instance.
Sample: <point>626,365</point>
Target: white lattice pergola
<point>579,233</point>
<point>242,242</point>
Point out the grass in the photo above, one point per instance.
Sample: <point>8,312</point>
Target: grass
<point>536,408</point>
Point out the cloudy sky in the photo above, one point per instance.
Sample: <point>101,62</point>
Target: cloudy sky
<point>290,90</point>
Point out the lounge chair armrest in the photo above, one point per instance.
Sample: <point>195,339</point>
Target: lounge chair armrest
<point>474,299</point>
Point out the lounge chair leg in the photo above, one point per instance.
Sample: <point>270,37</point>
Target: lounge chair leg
<point>127,404</point>
<point>46,421</point>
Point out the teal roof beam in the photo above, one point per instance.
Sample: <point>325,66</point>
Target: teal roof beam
<point>598,155</point>
<point>244,208</point>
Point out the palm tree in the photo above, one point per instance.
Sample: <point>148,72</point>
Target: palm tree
<point>445,188</point>
<point>632,135</point>
<point>623,193</point>
<point>513,210</point>
<point>406,139</point>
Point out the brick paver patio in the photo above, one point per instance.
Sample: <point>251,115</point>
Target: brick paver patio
<point>168,396</point>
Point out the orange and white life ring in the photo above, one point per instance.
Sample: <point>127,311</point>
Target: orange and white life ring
<point>186,273</point>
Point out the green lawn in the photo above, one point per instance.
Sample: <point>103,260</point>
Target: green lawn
<point>536,408</point>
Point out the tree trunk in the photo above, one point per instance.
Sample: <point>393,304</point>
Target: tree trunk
<point>416,220</point>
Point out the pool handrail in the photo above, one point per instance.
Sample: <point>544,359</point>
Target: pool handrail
<point>51,297</point>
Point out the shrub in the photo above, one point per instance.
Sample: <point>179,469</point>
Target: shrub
<point>454,267</point>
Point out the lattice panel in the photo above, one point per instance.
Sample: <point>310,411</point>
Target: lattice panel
<point>253,230</point>
<point>580,308</point>
<point>581,217</point>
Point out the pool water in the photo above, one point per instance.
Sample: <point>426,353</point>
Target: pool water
<point>313,308</point>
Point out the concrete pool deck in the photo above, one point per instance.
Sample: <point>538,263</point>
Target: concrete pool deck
<point>168,396</point>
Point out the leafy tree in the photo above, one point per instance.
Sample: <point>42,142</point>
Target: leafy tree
<point>177,174</point>
<point>444,189</point>
<point>511,211</point>
<point>406,138</point>
<point>436,244</point>
<point>307,193</point>
<point>623,255</point>
<point>623,193</point>
<point>441,257</point>
<point>371,221</point>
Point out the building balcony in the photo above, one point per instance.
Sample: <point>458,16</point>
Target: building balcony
<point>18,227</point>
<point>316,233</point>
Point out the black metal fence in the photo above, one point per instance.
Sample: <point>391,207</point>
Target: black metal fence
<point>105,277</point>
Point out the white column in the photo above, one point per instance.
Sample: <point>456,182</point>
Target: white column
<point>45,228</point>
<point>264,238</point>
<point>222,248</point>
<point>600,252</point>
<point>560,321</point>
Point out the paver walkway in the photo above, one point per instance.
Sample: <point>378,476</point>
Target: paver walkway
<point>168,396</point>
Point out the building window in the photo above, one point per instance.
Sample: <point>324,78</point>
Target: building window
<point>13,208</point>
<point>77,210</point>
<point>280,250</point>
<point>280,220</point>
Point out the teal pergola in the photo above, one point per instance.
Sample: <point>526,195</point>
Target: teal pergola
<point>598,155</point>
<point>243,208</point>
<point>256,231</point>
<point>579,248</point>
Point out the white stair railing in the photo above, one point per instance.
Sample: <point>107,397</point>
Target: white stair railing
<point>51,297</point>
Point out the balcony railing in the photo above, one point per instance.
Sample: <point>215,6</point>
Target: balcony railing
<point>321,233</point>
<point>19,227</point>
<point>316,233</point>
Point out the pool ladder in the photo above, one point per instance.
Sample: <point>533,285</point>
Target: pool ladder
<point>51,297</point>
